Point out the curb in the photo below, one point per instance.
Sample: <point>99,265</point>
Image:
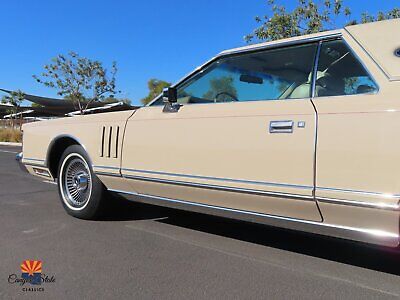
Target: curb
<point>10,144</point>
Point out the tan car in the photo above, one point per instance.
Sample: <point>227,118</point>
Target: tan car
<point>302,133</point>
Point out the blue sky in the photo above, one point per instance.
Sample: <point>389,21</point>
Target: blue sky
<point>153,38</point>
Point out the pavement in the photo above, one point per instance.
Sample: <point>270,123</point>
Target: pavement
<point>146,252</point>
<point>10,144</point>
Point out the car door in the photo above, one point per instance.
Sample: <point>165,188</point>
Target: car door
<point>358,129</point>
<point>243,137</point>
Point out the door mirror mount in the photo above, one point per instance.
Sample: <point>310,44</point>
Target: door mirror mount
<point>170,98</point>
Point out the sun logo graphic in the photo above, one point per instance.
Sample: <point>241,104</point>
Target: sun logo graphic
<point>32,271</point>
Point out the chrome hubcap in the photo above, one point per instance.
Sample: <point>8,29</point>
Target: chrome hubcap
<point>80,181</point>
<point>77,182</point>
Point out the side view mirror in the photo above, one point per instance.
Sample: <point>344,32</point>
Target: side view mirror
<point>170,95</point>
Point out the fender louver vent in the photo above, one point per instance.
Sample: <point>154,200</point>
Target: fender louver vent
<point>109,141</point>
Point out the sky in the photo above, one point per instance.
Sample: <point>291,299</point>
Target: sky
<point>147,39</point>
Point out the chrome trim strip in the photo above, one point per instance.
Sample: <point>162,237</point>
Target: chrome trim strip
<point>33,162</point>
<point>33,159</point>
<point>41,172</point>
<point>358,58</point>
<point>105,167</point>
<point>315,70</point>
<point>206,205</point>
<point>280,43</point>
<point>108,174</point>
<point>376,194</point>
<point>373,236</point>
<point>219,179</point>
<point>223,188</point>
<point>313,89</point>
<point>261,47</point>
<point>259,192</point>
<point>369,55</point>
<point>29,164</point>
<point>384,206</point>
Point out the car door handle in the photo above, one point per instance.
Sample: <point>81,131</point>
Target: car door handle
<point>281,126</point>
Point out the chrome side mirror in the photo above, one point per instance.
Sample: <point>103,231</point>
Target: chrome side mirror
<point>170,98</point>
<point>170,95</point>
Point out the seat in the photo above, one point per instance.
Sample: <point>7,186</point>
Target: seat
<point>304,90</point>
<point>330,86</point>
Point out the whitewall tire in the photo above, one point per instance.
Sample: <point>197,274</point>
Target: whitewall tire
<point>82,193</point>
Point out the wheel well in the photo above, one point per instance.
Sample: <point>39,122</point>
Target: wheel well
<point>57,149</point>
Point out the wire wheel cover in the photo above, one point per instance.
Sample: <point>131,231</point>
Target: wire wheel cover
<point>77,183</point>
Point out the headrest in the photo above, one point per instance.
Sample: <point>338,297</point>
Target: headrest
<point>320,74</point>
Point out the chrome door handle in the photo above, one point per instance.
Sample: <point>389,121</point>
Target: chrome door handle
<point>281,126</point>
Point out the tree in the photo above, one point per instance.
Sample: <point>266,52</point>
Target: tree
<point>80,79</point>
<point>14,98</point>
<point>392,14</point>
<point>155,88</point>
<point>36,105</point>
<point>310,16</point>
<point>109,100</point>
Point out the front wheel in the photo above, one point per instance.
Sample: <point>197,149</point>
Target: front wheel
<point>82,193</point>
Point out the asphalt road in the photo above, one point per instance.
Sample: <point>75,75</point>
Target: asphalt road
<point>146,252</point>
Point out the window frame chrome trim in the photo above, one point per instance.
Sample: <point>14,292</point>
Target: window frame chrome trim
<point>357,57</point>
<point>315,71</point>
<point>386,74</point>
<point>234,52</point>
<point>378,88</point>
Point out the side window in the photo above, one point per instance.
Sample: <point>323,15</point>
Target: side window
<point>340,73</point>
<point>275,74</point>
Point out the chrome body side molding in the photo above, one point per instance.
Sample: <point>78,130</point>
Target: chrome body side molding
<point>108,174</point>
<point>368,193</point>
<point>218,179</point>
<point>105,167</point>
<point>385,206</point>
<point>380,205</point>
<point>223,188</point>
<point>371,236</point>
<point>33,161</point>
